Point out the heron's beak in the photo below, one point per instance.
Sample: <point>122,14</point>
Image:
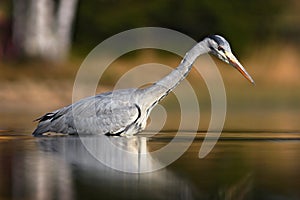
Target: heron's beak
<point>236,64</point>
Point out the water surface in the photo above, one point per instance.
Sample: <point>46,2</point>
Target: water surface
<point>242,165</point>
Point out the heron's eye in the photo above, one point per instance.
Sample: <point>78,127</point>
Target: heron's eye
<point>221,49</point>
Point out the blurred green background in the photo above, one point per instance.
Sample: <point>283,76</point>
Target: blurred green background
<point>263,35</point>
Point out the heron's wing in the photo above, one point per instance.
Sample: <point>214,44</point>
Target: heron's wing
<point>104,113</point>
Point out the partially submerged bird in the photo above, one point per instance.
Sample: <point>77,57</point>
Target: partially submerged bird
<point>125,111</point>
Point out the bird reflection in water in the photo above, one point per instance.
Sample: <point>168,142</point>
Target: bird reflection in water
<point>66,167</point>
<point>62,168</point>
<point>129,154</point>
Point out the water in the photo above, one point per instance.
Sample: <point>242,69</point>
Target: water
<point>242,165</point>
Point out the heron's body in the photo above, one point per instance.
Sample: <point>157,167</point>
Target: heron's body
<point>125,112</point>
<point>115,112</point>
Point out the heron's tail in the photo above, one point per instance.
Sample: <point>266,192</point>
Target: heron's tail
<point>43,127</point>
<point>55,122</point>
<point>44,124</point>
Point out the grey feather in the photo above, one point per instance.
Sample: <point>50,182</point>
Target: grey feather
<point>107,113</point>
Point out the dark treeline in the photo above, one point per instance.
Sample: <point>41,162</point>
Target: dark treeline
<point>247,22</point>
<point>244,23</point>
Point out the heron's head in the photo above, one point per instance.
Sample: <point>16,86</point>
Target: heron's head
<point>221,48</point>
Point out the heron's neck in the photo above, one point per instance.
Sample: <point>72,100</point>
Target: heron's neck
<point>164,86</point>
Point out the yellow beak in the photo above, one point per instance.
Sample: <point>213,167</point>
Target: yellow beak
<point>236,64</point>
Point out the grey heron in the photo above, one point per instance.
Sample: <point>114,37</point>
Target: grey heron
<point>125,111</point>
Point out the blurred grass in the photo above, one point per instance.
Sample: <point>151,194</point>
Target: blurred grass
<point>30,89</point>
